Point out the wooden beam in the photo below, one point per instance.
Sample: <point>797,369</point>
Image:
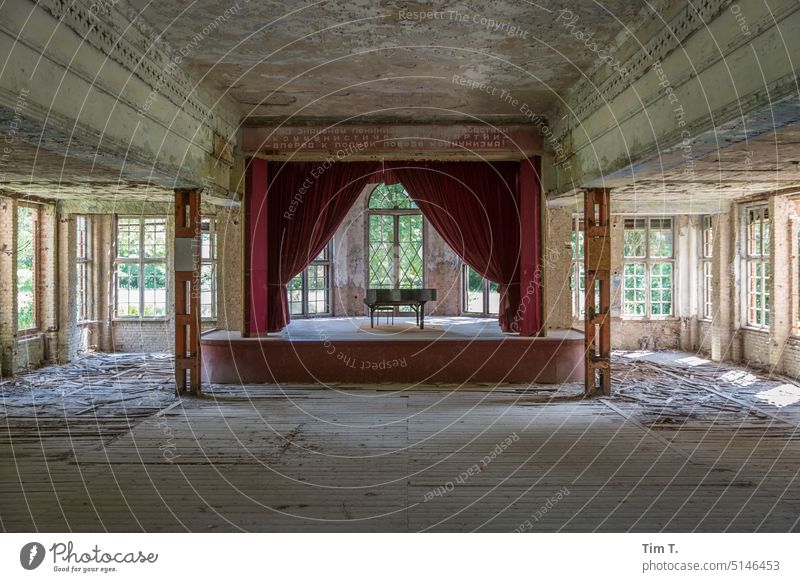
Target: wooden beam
<point>597,269</point>
<point>187,291</point>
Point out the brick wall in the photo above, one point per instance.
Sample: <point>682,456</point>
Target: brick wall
<point>755,347</point>
<point>69,336</point>
<point>651,335</point>
<point>704,332</point>
<point>143,336</point>
<point>558,265</point>
<point>30,353</point>
<point>791,358</point>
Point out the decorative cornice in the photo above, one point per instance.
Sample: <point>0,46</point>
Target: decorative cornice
<point>590,95</point>
<point>117,30</point>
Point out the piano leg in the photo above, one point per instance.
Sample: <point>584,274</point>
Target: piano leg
<point>421,311</point>
<point>371,317</point>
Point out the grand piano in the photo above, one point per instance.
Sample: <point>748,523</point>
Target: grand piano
<point>380,299</point>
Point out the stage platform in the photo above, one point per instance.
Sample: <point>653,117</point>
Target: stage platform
<point>450,350</point>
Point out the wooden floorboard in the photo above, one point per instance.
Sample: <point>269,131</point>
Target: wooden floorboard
<point>660,455</point>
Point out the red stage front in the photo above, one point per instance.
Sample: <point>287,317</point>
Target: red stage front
<point>230,359</point>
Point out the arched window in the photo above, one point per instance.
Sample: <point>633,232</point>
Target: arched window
<point>395,241</point>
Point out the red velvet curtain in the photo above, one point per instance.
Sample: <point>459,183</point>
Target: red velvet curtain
<point>475,207</point>
<point>307,201</point>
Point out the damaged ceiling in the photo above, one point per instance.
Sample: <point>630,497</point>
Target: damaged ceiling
<point>384,60</point>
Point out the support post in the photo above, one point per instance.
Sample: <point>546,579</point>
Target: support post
<point>187,292</point>
<point>531,310</point>
<point>597,268</point>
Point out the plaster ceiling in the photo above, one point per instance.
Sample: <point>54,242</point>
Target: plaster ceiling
<point>332,60</point>
<point>36,172</point>
<point>707,184</point>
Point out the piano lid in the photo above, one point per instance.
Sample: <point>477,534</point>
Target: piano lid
<point>386,295</point>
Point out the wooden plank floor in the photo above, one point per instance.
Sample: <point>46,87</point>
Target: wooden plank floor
<point>305,459</point>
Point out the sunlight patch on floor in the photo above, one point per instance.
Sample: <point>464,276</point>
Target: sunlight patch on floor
<point>780,396</point>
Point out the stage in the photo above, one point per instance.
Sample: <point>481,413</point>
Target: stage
<point>450,350</point>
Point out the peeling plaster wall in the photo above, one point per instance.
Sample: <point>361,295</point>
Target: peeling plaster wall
<point>558,265</point>
<point>229,269</point>
<point>705,336</point>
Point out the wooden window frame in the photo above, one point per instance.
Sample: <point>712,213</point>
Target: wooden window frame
<point>36,236</point>
<point>649,261</point>
<point>85,271</point>
<point>485,311</point>
<point>706,268</point>
<point>327,262</point>
<point>141,260</point>
<point>209,225</point>
<point>753,258</point>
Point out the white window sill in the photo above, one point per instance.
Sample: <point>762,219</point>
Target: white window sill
<point>140,320</point>
<point>650,319</point>
<point>764,330</point>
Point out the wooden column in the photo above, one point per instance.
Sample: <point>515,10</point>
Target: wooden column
<point>597,266</point>
<point>187,291</point>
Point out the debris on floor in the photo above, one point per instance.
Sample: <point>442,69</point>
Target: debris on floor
<point>97,395</point>
<point>675,390</point>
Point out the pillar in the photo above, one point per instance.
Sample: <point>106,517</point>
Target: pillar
<point>531,312</point>
<point>597,266</point>
<point>8,286</point>
<point>187,291</point>
<point>254,256</point>
<point>782,244</point>
<point>723,286</point>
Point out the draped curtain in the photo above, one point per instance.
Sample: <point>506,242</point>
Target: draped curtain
<point>307,201</point>
<point>475,208</point>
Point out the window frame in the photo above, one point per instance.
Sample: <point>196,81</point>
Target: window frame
<point>751,259</point>
<point>36,241</point>
<point>649,261</point>
<point>485,309</point>
<point>395,213</point>
<point>577,250</point>
<point>327,262</point>
<point>141,260</point>
<point>85,272</point>
<point>211,261</point>
<point>706,274</point>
